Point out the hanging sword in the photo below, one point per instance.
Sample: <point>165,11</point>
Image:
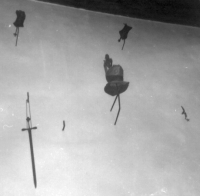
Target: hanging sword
<point>29,128</point>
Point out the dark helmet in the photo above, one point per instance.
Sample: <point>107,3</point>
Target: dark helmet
<point>106,56</point>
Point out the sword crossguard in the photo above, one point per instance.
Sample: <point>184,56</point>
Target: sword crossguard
<point>29,129</point>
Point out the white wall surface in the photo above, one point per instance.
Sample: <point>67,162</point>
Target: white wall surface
<point>152,151</point>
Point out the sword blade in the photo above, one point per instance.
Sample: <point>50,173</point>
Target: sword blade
<point>32,157</point>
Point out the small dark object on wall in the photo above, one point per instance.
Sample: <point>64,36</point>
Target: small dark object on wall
<point>184,113</point>
<point>124,33</point>
<point>63,126</point>
<point>19,22</point>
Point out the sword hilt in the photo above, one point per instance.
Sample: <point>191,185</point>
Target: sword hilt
<point>26,129</point>
<point>27,97</point>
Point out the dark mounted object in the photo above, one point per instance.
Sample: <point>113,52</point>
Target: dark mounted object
<point>115,85</point>
<point>63,126</point>
<point>19,22</point>
<point>184,113</point>
<point>124,33</point>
